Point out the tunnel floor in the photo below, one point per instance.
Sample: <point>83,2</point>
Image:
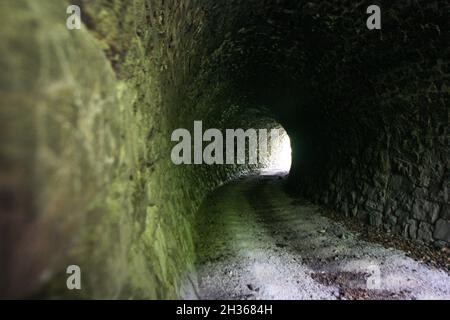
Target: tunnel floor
<point>259,243</point>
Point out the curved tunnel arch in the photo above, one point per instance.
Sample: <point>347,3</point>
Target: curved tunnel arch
<point>366,113</point>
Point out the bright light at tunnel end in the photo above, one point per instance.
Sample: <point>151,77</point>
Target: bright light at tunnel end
<point>269,149</point>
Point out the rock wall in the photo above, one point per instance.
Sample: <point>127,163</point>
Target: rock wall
<point>367,111</point>
<point>380,143</point>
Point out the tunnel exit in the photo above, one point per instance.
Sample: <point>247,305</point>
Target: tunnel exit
<point>281,155</point>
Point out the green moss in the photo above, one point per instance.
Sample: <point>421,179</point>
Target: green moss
<point>100,105</point>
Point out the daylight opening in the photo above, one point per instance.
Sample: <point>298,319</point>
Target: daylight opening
<point>280,155</point>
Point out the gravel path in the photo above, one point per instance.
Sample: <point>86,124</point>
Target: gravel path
<point>258,243</point>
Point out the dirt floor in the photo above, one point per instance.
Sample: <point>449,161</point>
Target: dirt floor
<point>259,243</point>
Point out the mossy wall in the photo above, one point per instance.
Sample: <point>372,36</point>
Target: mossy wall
<point>85,155</point>
<point>86,176</point>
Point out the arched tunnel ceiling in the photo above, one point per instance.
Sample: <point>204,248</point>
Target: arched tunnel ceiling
<point>366,111</point>
<point>332,83</point>
<point>286,54</point>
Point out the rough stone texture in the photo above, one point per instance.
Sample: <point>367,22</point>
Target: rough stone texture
<point>86,175</point>
<point>442,230</point>
<point>86,118</point>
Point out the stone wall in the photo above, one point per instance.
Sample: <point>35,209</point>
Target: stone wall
<point>86,176</point>
<point>380,146</point>
<point>367,111</point>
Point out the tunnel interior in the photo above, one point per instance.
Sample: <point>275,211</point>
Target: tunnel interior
<point>88,114</point>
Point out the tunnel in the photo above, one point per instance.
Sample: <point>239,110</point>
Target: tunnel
<point>87,117</point>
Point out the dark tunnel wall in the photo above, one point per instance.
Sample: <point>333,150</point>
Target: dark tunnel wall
<point>366,111</point>
<point>86,175</point>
